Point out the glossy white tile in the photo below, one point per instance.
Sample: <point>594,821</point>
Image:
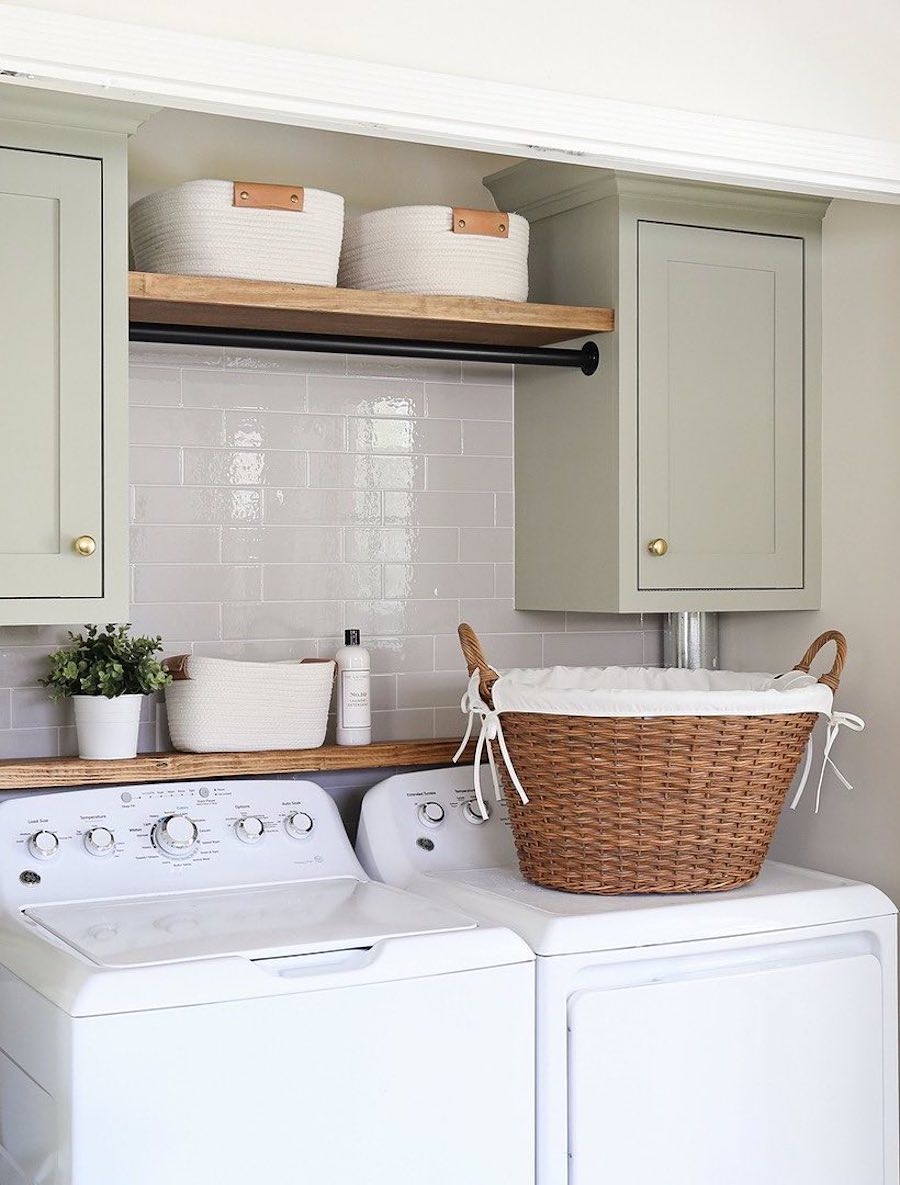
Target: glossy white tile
<point>154,465</point>
<point>594,650</point>
<point>357,471</point>
<point>283,430</point>
<point>503,650</point>
<point>491,474</point>
<point>500,616</point>
<point>179,426</point>
<point>354,396</point>
<point>154,386</point>
<point>438,580</point>
<point>486,401</point>
<point>176,544</point>
<point>394,544</point>
<point>436,689</point>
<point>401,617</point>
<point>488,544</point>
<point>282,619</point>
<point>403,725</point>
<point>391,434</point>
<point>429,508</point>
<point>319,582</point>
<point>487,438</point>
<point>277,544</point>
<point>322,506</point>
<point>197,582</point>
<point>196,505</point>
<point>251,389</point>
<point>244,467</point>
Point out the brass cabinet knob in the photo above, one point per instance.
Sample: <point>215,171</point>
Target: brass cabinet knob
<point>657,547</point>
<point>85,545</point>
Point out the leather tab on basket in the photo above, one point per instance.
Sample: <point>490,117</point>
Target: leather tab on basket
<point>177,666</point>
<point>480,222</point>
<point>256,196</point>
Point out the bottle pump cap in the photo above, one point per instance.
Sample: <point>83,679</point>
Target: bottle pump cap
<point>351,637</point>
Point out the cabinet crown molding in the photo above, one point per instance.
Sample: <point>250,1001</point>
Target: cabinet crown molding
<point>31,104</point>
<point>540,189</point>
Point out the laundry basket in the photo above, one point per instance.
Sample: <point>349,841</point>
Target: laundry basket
<point>676,788</point>
<point>242,229</point>
<point>437,251</point>
<point>217,705</point>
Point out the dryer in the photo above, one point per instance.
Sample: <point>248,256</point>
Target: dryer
<point>199,985</point>
<point>711,1039</point>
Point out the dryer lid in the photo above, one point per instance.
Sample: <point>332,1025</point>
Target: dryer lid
<point>555,923</point>
<point>309,917</point>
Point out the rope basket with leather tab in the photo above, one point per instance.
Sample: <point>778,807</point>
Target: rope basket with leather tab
<point>648,804</point>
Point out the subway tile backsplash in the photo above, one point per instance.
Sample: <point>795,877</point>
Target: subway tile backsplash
<point>278,499</point>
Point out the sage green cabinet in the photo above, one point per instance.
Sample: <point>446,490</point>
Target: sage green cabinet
<point>685,474</point>
<point>63,402</point>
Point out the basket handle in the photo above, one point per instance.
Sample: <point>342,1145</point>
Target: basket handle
<point>476,661</point>
<point>833,677</point>
<point>177,666</point>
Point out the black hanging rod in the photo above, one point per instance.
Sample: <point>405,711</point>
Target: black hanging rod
<point>586,359</point>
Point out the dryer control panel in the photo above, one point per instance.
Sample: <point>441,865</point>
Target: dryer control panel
<point>116,841</point>
<point>430,822</point>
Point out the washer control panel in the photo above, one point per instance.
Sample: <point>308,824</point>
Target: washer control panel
<point>101,842</point>
<point>431,822</point>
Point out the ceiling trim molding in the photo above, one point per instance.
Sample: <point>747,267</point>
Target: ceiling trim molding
<point>164,67</point>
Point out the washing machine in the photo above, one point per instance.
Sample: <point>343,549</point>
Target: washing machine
<point>199,985</point>
<point>712,1039</point>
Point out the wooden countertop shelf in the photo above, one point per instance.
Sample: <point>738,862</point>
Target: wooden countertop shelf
<point>213,302</point>
<point>51,773</point>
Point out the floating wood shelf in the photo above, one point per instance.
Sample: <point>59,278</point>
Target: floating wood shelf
<point>48,773</point>
<point>212,302</point>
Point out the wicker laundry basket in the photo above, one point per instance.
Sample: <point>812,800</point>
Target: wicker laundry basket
<point>662,804</point>
<point>437,251</point>
<point>240,229</point>
<point>217,705</point>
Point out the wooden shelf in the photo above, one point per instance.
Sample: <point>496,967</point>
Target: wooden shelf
<point>48,773</point>
<point>212,302</point>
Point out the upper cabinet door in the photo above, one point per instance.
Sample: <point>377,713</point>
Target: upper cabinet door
<point>720,408</point>
<point>51,405</point>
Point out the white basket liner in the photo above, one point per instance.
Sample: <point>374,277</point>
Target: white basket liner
<point>196,230</point>
<point>645,691</point>
<point>229,706</point>
<point>414,249</point>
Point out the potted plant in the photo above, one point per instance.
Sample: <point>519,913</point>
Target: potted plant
<point>106,673</point>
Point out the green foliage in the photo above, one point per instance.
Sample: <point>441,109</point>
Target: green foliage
<point>106,662</point>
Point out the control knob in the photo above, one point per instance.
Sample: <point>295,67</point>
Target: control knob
<point>472,812</point>
<point>250,829</point>
<point>299,824</point>
<point>99,841</point>
<point>431,814</point>
<point>175,835</point>
<point>43,845</point>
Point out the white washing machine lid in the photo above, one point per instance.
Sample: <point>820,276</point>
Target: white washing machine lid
<point>555,923</point>
<point>309,917</point>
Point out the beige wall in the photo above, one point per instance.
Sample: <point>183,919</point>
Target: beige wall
<point>795,62</point>
<point>176,146</point>
<point>855,833</point>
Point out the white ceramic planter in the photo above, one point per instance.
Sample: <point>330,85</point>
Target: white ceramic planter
<point>107,728</point>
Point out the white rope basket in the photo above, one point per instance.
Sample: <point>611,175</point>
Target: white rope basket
<point>217,705</point>
<point>423,249</point>
<point>201,228</point>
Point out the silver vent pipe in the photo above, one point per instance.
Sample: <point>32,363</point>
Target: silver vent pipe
<point>691,640</point>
